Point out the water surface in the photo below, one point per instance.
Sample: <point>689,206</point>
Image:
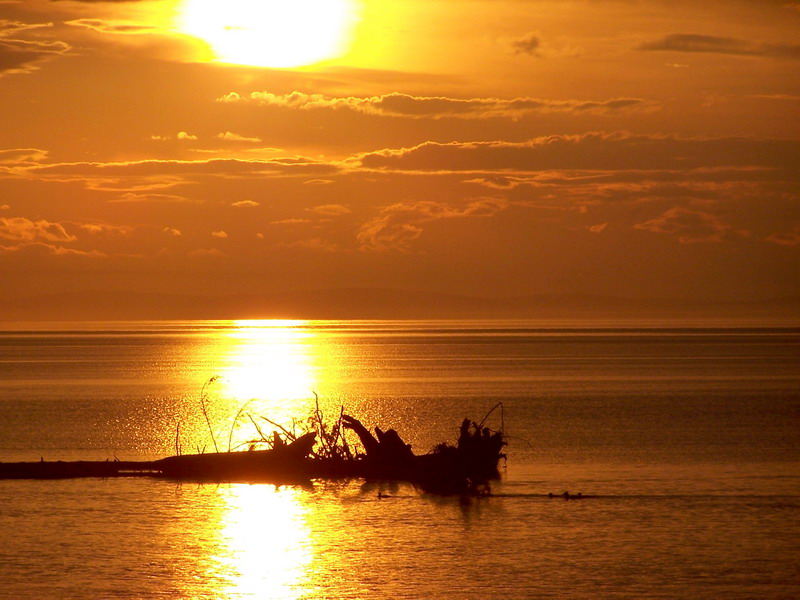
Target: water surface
<point>686,439</point>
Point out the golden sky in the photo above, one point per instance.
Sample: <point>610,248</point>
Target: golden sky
<point>634,148</point>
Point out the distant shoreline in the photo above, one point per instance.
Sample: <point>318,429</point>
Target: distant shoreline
<point>378,303</point>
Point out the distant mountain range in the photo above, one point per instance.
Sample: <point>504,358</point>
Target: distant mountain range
<point>379,303</point>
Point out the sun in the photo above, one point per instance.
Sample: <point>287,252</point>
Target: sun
<point>270,33</point>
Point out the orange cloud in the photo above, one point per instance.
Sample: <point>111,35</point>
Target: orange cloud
<point>41,248</point>
<point>790,238</point>
<point>215,166</point>
<point>331,210</point>
<point>690,226</point>
<point>8,27</point>
<point>439,107</point>
<point>25,230</point>
<point>527,44</point>
<point>398,225</point>
<point>589,151</point>
<point>229,136</point>
<point>103,26</point>
<point>200,252</point>
<point>291,221</point>
<point>22,156</point>
<point>531,44</point>
<point>20,55</point>
<point>315,244</point>
<point>151,197</point>
<point>690,42</point>
<point>103,228</point>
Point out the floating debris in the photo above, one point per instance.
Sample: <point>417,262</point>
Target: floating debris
<point>467,467</point>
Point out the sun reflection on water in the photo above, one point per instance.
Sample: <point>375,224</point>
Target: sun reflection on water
<point>271,360</point>
<point>264,544</point>
<point>266,369</point>
<point>268,376</point>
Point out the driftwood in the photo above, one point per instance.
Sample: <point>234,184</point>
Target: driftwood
<point>467,467</point>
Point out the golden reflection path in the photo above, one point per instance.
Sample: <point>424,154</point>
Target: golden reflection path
<point>271,360</point>
<point>268,368</point>
<point>259,540</point>
<point>264,547</point>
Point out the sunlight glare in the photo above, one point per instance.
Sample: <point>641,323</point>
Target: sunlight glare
<point>265,547</point>
<point>268,33</point>
<point>270,360</point>
<point>267,375</point>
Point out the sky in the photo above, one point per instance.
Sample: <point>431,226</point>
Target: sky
<point>645,150</point>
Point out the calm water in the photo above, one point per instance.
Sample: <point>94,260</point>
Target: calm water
<point>686,439</point>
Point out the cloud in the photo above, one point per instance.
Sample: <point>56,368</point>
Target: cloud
<point>106,229</point>
<point>40,248</point>
<point>595,151</point>
<point>790,238</point>
<point>531,44</point>
<point>292,221</point>
<point>22,156</point>
<point>598,228</point>
<point>500,182</point>
<point>24,56</point>
<point>787,97</point>
<point>155,174</point>
<point>219,234</point>
<point>201,252</point>
<point>316,244</point>
<point>229,136</point>
<point>690,226</point>
<point>8,27</point>
<point>439,107</point>
<point>245,203</point>
<point>697,43</point>
<point>331,210</point>
<point>210,166</point>
<point>25,230</point>
<point>103,26</point>
<point>528,44</point>
<point>150,197</point>
<point>728,179</point>
<point>398,225</point>
<point>172,231</point>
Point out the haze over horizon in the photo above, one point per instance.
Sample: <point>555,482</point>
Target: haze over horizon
<point>643,151</point>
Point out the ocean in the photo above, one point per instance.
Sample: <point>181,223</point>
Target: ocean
<point>684,443</point>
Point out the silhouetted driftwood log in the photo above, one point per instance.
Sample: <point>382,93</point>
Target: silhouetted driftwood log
<point>467,467</point>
